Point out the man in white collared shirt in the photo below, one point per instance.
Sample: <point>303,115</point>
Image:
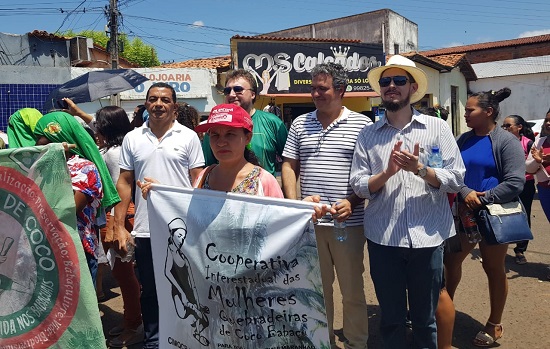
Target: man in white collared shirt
<point>407,217</point>
<point>169,152</point>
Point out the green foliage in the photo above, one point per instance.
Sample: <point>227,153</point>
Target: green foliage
<point>138,52</point>
<point>99,37</point>
<point>134,50</point>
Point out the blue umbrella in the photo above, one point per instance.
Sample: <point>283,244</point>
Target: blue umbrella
<point>94,85</point>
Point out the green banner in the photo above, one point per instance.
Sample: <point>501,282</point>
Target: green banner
<point>47,298</point>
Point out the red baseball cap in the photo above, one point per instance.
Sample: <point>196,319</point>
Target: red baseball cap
<point>227,115</point>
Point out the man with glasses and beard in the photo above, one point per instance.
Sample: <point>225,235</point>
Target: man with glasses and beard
<point>319,150</point>
<point>408,217</point>
<point>269,135</point>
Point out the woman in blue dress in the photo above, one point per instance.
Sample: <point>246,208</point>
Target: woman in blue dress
<point>495,173</point>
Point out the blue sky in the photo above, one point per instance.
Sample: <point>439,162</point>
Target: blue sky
<point>185,29</point>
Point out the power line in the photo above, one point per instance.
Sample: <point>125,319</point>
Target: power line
<point>67,16</point>
<point>149,19</point>
<point>171,41</point>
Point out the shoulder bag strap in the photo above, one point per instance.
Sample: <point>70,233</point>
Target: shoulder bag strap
<point>205,175</point>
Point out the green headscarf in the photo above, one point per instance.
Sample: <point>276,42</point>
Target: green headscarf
<point>21,127</point>
<point>61,127</point>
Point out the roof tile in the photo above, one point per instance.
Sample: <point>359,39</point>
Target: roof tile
<point>210,63</point>
<point>42,34</point>
<point>451,60</point>
<point>276,38</point>
<point>487,45</point>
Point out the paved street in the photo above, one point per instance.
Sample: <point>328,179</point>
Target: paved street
<point>526,316</point>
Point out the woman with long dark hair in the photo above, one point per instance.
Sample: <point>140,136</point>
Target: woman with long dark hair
<point>517,126</point>
<point>495,173</point>
<point>111,125</point>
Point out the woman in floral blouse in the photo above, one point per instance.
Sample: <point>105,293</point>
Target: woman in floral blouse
<point>230,129</point>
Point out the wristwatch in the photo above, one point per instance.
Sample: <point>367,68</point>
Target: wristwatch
<point>422,172</point>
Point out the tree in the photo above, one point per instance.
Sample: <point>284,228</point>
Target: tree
<point>134,51</point>
<point>140,53</point>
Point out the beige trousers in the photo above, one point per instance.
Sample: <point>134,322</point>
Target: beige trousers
<point>347,258</point>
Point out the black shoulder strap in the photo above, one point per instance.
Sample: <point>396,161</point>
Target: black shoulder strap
<point>203,178</point>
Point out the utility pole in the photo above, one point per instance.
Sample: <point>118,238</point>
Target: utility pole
<point>113,24</point>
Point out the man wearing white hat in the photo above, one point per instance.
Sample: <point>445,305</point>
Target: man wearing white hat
<point>408,217</point>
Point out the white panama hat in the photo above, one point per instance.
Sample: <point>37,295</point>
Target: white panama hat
<point>398,61</point>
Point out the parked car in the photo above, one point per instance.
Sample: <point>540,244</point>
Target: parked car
<point>536,125</point>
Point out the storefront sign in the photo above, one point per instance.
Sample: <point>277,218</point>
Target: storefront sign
<point>285,66</point>
<point>187,82</point>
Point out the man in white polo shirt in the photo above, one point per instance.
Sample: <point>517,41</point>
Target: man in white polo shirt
<point>165,150</point>
<point>319,149</point>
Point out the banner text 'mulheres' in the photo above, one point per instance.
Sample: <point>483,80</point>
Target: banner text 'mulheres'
<point>242,300</point>
<point>248,263</point>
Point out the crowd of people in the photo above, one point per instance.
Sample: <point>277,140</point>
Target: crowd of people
<point>377,177</point>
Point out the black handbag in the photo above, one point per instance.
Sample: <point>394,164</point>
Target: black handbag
<point>504,223</point>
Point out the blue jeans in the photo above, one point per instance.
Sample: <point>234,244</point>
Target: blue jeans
<point>92,266</point>
<point>149,301</point>
<point>397,272</point>
<point>544,198</point>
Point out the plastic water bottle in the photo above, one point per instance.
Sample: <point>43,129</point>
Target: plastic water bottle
<point>340,232</point>
<point>434,159</point>
<point>469,223</point>
<point>339,228</point>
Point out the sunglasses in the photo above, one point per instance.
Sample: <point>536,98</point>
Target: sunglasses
<point>238,90</point>
<point>507,125</point>
<point>397,80</point>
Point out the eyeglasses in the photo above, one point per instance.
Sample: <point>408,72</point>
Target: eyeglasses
<point>238,90</point>
<point>397,80</point>
<point>507,125</point>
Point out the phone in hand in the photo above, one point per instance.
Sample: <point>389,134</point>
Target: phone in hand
<point>61,104</point>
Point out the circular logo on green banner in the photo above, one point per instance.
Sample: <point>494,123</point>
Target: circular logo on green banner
<point>39,271</point>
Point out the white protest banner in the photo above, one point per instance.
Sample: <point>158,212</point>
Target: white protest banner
<point>235,271</point>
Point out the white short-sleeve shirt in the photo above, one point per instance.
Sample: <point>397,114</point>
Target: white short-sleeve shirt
<point>168,161</point>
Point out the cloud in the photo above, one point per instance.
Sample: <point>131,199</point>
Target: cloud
<point>198,24</point>
<point>534,33</point>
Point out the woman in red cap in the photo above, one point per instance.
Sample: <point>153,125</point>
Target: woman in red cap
<point>230,129</point>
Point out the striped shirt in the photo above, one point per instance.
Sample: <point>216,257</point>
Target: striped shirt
<point>325,156</point>
<point>407,211</point>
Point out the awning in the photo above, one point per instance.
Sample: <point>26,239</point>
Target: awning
<point>307,95</point>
